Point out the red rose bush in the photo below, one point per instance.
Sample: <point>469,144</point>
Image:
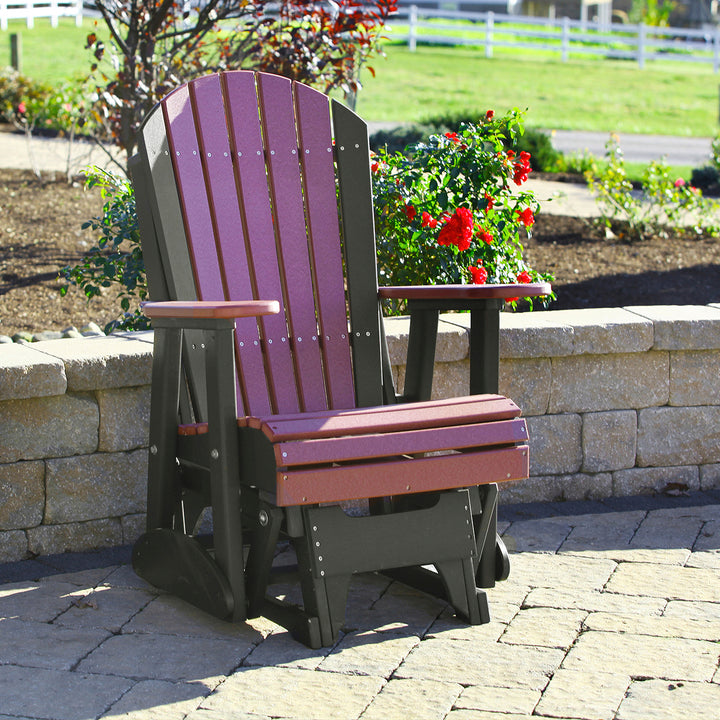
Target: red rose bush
<point>452,210</point>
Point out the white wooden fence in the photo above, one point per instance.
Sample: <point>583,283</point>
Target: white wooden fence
<point>563,36</point>
<point>28,10</point>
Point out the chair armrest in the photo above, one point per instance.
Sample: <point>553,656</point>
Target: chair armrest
<point>464,292</point>
<point>210,309</point>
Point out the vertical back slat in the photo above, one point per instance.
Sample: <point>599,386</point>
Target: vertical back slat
<point>249,156</point>
<point>318,162</point>
<point>164,206</point>
<point>185,152</point>
<point>209,110</point>
<point>353,163</point>
<point>163,201</point>
<point>278,119</point>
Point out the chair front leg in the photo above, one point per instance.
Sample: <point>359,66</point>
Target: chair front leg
<point>223,461</point>
<point>163,490</point>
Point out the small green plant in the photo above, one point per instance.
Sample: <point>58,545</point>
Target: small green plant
<point>116,260</point>
<point>652,12</point>
<point>662,205</point>
<point>450,210</point>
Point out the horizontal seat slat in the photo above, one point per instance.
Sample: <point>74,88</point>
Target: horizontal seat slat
<point>378,445</point>
<point>367,480</point>
<point>389,418</point>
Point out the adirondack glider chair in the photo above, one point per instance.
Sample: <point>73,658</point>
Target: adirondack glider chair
<point>268,404</point>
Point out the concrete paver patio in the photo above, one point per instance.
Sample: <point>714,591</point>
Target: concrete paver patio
<point>611,612</point>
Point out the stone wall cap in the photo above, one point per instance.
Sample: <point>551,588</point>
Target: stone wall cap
<point>606,330</point>
<point>682,327</point>
<point>27,373</point>
<point>535,334</point>
<point>102,362</point>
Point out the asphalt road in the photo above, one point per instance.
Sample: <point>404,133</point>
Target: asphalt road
<point>637,148</point>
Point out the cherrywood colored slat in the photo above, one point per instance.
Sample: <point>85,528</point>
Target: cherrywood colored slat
<point>249,154</point>
<point>378,445</point>
<point>316,153</point>
<point>277,114</point>
<point>390,418</point>
<point>366,411</point>
<point>208,105</point>
<point>211,309</point>
<point>368,480</point>
<point>464,292</point>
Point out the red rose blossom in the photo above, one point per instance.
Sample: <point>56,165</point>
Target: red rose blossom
<point>458,229</point>
<point>428,221</point>
<point>522,169</point>
<point>524,277</point>
<point>410,212</point>
<point>452,136</point>
<point>478,273</point>
<point>526,217</point>
<point>490,114</point>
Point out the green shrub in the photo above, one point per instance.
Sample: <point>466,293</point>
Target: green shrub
<point>17,93</point>
<point>664,204</point>
<point>450,211</point>
<point>116,260</point>
<point>706,179</point>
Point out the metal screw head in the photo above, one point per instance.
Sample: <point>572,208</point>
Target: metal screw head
<point>214,454</point>
<point>153,450</point>
<point>263,518</point>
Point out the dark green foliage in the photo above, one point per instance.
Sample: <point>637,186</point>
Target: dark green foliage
<point>706,179</point>
<point>544,157</point>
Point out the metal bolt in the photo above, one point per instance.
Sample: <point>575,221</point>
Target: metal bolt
<point>263,518</point>
<point>153,450</point>
<point>320,558</point>
<point>214,454</point>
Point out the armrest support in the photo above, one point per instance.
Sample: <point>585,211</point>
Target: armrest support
<point>484,303</point>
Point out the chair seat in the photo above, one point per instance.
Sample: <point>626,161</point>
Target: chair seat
<point>333,456</point>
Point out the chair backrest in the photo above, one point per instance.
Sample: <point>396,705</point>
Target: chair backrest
<point>237,182</point>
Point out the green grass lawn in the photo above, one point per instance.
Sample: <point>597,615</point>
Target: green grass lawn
<point>51,55</point>
<point>602,95</point>
<point>583,94</point>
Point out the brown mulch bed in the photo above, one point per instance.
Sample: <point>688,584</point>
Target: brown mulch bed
<point>40,233</point>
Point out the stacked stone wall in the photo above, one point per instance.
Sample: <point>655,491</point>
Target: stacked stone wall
<point>618,402</point>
